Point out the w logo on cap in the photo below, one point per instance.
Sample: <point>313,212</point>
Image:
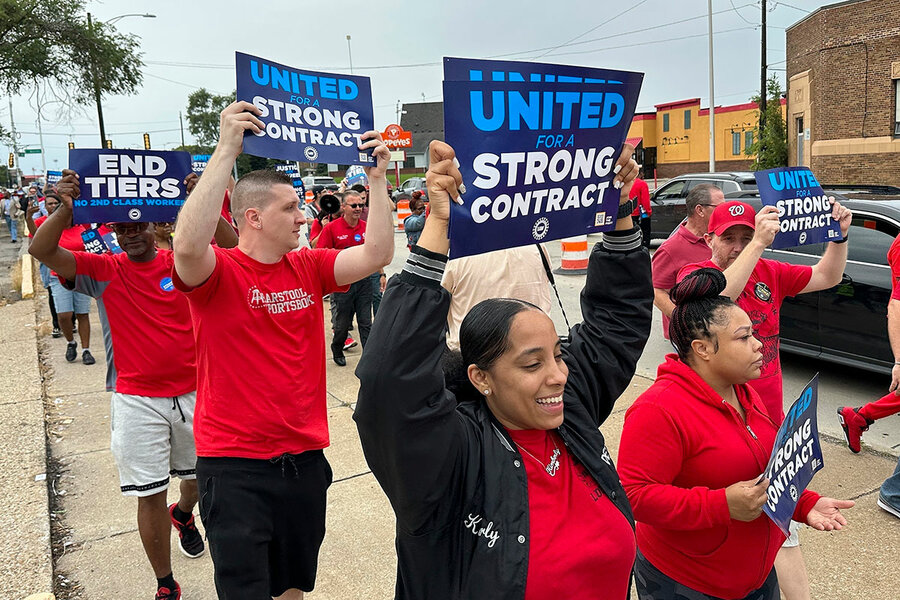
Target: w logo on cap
<point>736,210</point>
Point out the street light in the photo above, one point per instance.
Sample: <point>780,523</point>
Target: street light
<point>350,53</point>
<point>94,81</point>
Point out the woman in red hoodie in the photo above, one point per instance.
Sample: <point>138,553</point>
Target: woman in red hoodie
<point>693,448</point>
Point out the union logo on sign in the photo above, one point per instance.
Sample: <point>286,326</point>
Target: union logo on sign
<point>736,210</point>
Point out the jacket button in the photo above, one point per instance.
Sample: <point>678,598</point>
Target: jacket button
<point>521,539</point>
<point>517,463</point>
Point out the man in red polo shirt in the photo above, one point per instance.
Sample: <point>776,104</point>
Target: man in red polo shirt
<point>687,245</point>
<point>151,371</point>
<point>345,232</point>
<point>640,193</point>
<point>738,236</point>
<point>261,421</point>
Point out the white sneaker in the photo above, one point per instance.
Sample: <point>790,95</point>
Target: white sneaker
<point>887,507</point>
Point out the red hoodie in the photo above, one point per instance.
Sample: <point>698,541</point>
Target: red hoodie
<point>682,445</point>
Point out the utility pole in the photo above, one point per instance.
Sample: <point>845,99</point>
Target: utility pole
<point>350,53</point>
<point>15,145</point>
<point>762,82</point>
<point>712,98</point>
<point>96,86</point>
<point>181,123</point>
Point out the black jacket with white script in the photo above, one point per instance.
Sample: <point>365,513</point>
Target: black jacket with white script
<point>451,472</point>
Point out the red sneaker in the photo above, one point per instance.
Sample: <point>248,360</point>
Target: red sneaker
<point>349,343</point>
<point>190,542</point>
<point>165,593</point>
<point>853,424</point>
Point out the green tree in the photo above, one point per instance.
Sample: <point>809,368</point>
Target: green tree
<point>203,116</point>
<point>769,147</point>
<point>50,41</point>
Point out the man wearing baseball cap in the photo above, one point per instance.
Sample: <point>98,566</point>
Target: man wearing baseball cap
<point>738,236</point>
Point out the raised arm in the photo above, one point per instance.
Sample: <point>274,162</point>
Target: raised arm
<point>45,244</point>
<point>410,433</point>
<point>197,221</point>
<point>740,270</point>
<point>377,251</point>
<point>829,271</point>
<point>616,304</point>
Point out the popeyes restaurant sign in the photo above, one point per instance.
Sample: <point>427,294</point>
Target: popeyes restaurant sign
<point>395,137</point>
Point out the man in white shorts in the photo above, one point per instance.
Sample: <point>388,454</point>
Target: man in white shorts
<point>151,370</point>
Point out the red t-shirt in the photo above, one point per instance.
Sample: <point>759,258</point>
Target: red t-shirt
<point>149,322</point>
<point>260,362</point>
<point>640,191</point>
<point>315,230</point>
<point>895,295</point>
<point>579,541</point>
<point>338,234</point>
<point>769,284</point>
<point>683,248</point>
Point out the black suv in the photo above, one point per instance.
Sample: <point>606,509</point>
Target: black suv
<point>667,202</point>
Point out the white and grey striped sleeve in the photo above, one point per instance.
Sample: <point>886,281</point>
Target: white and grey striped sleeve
<point>424,267</point>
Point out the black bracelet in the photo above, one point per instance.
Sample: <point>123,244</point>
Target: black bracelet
<point>843,240</point>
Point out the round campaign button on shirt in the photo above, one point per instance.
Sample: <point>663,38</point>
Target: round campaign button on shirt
<point>357,237</point>
<point>166,285</point>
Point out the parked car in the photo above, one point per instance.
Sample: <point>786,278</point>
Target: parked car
<point>846,324</point>
<point>667,201</point>
<point>310,181</point>
<point>409,186</point>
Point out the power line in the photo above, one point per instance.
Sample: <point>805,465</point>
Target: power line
<point>594,28</point>
<point>734,8</point>
<point>791,6</point>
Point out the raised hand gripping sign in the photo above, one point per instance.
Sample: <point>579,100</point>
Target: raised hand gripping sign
<point>309,116</point>
<point>804,211</point>
<point>537,144</point>
<point>121,186</point>
<point>795,457</point>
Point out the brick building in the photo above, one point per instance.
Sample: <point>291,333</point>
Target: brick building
<point>843,110</point>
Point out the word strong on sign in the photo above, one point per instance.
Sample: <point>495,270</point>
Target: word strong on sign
<point>795,457</point>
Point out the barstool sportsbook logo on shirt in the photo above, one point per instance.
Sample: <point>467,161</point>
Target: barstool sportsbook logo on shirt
<point>279,302</point>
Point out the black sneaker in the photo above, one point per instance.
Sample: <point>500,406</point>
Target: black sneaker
<point>56,332</point>
<point>189,539</point>
<point>87,358</point>
<point>71,351</point>
<point>339,360</point>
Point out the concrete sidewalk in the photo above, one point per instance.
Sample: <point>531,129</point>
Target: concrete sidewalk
<point>101,554</point>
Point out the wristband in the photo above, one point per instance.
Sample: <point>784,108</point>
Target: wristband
<point>896,363</point>
<point>627,208</point>
<point>382,275</point>
<point>843,241</point>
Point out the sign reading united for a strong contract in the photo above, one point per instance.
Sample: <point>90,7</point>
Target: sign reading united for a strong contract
<point>537,144</point>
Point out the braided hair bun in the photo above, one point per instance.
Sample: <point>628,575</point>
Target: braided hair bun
<point>698,301</point>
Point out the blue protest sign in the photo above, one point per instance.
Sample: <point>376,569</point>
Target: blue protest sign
<point>119,186</point>
<point>309,116</point>
<point>536,155</point>
<point>53,177</point>
<point>795,457</point>
<point>803,208</point>
<point>100,243</point>
<point>198,162</point>
<point>356,174</point>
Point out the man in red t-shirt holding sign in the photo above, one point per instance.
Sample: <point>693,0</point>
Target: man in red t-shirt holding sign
<point>738,236</point>
<point>261,422</point>
<point>345,232</point>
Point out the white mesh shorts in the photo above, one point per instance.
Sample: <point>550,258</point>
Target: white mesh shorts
<point>151,439</point>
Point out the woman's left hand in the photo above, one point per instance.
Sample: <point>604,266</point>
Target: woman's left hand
<point>826,514</point>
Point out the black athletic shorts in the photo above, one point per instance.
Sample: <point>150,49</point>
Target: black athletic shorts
<point>653,584</point>
<point>265,521</point>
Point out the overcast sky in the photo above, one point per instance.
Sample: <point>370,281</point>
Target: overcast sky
<point>399,44</point>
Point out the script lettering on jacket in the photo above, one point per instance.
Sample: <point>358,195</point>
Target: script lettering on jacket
<point>473,524</point>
